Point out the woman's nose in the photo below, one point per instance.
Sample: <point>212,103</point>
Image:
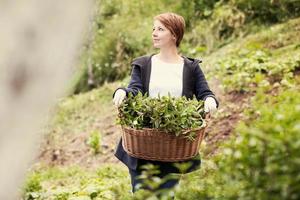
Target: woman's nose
<point>154,33</point>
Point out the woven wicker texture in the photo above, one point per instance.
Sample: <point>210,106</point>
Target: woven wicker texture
<point>151,144</point>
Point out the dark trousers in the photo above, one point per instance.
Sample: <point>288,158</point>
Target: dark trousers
<point>134,175</point>
<point>165,169</point>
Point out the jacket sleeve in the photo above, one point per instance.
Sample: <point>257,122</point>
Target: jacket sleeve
<point>135,84</point>
<point>202,89</point>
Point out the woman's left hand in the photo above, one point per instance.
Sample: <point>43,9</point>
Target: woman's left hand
<point>210,105</point>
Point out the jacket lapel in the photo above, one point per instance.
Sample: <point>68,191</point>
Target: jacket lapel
<point>185,75</point>
<point>145,65</point>
<point>188,82</point>
<point>147,72</point>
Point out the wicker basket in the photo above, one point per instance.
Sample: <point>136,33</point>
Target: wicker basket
<point>151,144</point>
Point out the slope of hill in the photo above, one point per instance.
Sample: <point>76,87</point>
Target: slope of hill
<point>261,64</point>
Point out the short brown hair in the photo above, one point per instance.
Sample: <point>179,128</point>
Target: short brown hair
<point>174,22</point>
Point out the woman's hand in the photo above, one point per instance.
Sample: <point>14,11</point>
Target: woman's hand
<point>119,97</point>
<point>210,105</point>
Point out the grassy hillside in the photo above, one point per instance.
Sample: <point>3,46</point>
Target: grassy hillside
<point>251,151</point>
<point>115,38</point>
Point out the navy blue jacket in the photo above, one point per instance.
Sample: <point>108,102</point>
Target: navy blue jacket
<point>194,83</point>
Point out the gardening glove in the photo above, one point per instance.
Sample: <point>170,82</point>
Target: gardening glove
<point>119,97</point>
<point>210,105</point>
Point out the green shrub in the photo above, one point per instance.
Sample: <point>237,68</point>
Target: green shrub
<point>261,160</point>
<point>94,141</point>
<point>72,182</point>
<point>268,10</point>
<point>32,187</point>
<point>247,69</point>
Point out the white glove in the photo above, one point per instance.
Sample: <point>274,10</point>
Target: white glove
<point>119,97</point>
<point>210,105</point>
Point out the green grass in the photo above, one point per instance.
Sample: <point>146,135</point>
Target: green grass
<point>107,182</point>
<point>276,38</point>
<point>81,113</point>
<point>83,107</point>
<point>268,57</point>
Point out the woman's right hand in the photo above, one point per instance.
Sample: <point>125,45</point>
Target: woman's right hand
<point>119,97</point>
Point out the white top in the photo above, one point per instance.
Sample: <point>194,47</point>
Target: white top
<point>165,78</point>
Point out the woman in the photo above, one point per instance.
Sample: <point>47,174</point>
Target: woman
<point>163,73</point>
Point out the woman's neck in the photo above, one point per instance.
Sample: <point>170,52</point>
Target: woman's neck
<point>170,56</point>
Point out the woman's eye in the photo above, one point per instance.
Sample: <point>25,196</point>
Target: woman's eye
<point>160,29</point>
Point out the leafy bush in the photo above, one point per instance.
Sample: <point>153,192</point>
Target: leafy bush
<point>32,187</point>
<point>261,160</point>
<point>248,69</point>
<point>112,43</point>
<point>164,113</point>
<point>268,10</point>
<point>72,182</point>
<point>94,141</point>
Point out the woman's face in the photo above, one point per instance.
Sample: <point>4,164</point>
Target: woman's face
<point>161,36</point>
